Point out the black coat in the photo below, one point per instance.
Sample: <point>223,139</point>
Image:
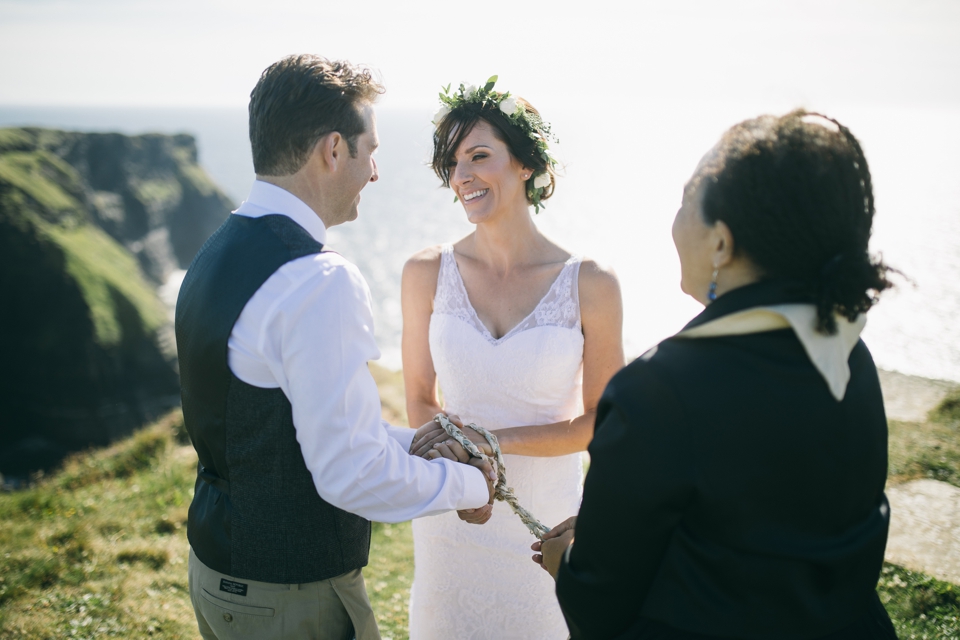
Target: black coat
<point>729,493</point>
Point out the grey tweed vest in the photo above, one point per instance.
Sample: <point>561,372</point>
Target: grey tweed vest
<point>255,513</point>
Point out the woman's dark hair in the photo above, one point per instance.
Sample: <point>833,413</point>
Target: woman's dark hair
<point>795,191</point>
<point>458,123</point>
<point>300,99</point>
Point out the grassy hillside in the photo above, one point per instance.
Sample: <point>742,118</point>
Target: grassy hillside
<point>99,549</point>
<point>91,357</point>
<point>44,193</point>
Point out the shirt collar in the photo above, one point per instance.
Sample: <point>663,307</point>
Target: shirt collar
<point>768,306</point>
<point>266,199</point>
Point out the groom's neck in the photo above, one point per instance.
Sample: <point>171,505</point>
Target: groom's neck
<point>309,192</point>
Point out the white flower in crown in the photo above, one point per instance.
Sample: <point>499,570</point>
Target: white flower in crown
<point>542,180</point>
<point>469,90</point>
<point>509,106</point>
<point>442,111</point>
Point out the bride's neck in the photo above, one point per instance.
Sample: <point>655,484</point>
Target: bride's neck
<point>508,241</point>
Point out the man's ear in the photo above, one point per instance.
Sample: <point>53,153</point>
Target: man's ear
<point>330,147</point>
<point>723,244</point>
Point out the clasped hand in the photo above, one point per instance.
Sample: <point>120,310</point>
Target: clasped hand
<point>431,442</point>
<point>555,543</point>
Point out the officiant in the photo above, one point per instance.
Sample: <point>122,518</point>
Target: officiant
<point>737,469</point>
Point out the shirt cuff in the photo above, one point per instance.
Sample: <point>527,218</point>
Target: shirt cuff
<point>403,435</point>
<point>475,491</point>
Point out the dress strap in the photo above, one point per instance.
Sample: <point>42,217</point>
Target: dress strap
<point>451,297</point>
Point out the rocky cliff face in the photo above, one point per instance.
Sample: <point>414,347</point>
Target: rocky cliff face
<point>89,225</point>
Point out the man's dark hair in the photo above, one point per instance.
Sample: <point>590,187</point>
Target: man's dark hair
<point>300,99</point>
<point>796,192</point>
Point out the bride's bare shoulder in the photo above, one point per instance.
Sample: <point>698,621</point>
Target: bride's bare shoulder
<point>428,255</point>
<point>422,268</point>
<point>598,284</point>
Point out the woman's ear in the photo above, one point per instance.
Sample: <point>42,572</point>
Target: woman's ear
<point>723,244</point>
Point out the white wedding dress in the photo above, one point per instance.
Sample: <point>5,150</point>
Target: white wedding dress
<point>478,582</point>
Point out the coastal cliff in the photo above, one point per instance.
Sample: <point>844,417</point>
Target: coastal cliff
<point>90,224</point>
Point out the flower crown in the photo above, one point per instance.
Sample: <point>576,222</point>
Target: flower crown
<point>529,122</point>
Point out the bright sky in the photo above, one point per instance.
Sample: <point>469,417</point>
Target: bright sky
<point>591,55</point>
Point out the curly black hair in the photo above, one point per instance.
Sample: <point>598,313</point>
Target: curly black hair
<point>796,192</point>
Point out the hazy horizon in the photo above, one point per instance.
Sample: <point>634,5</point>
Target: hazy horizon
<point>209,53</point>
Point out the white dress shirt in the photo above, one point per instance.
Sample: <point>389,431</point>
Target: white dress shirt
<point>309,331</point>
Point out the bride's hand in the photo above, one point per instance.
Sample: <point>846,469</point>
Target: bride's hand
<point>430,431</point>
<point>432,436</point>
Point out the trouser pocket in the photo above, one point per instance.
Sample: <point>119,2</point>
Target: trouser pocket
<point>231,620</point>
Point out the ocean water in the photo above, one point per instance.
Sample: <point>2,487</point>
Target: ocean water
<point>615,202</point>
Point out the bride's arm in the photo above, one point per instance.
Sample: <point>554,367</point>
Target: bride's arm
<point>417,288</point>
<point>601,315</point>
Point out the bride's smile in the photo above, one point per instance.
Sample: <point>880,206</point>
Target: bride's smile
<point>476,194</point>
<point>486,177</point>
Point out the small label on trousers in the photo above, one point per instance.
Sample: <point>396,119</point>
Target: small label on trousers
<point>236,588</point>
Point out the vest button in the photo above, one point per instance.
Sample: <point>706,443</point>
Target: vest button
<point>228,617</point>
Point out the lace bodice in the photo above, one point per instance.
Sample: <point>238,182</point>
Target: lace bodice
<point>530,376</point>
<point>560,307</point>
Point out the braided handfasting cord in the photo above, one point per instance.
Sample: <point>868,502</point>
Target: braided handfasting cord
<point>501,491</point>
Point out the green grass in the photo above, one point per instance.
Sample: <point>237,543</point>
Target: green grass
<point>99,549</point>
<point>44,177</point>
<point>920,606</point>
<point>929,449</point>
<point>105,273</point>
<point>157,194</point>
<point>46,196</point>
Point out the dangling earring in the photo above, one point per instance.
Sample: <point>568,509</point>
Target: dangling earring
<point>712,291</point>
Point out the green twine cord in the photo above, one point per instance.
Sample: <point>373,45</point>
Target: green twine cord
<point>501,492</point>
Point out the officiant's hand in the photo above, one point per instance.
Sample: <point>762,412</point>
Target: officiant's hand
<point>555,543</point>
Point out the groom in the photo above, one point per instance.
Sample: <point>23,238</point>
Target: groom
<point>274,335</point>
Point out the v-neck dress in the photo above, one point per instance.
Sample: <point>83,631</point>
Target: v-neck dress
<point>478,581</point>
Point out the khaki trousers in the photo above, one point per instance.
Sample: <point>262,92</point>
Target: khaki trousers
<point>235,608</point>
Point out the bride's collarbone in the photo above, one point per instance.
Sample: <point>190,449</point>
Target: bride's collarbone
<point>503,301</point>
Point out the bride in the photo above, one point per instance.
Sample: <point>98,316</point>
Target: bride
<point>522,337</point>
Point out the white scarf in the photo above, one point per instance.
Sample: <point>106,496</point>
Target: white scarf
<point>829,354</point>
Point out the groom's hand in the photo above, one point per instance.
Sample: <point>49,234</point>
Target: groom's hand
<point>489,474</point>
<point>476,516</point>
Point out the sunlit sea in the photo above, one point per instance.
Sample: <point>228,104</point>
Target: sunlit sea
<point>615,203</point>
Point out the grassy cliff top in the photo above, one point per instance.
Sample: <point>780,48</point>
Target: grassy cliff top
<point>99,549</point>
